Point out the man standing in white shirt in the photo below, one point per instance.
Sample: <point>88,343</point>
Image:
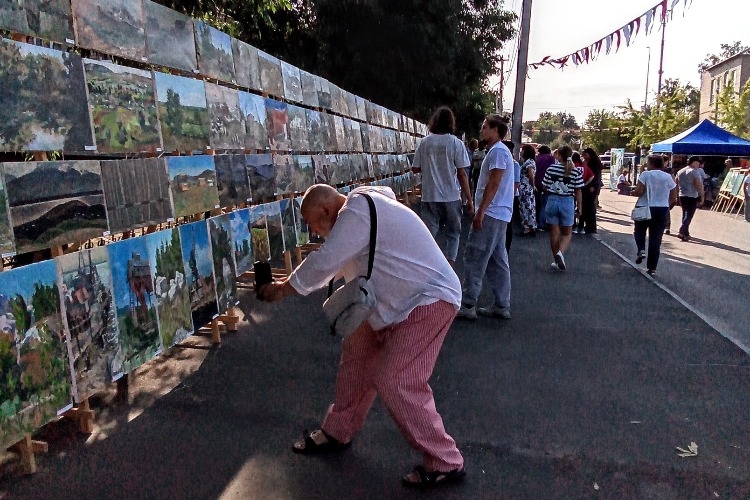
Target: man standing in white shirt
<point>485,248</point>
<point>393,353</point>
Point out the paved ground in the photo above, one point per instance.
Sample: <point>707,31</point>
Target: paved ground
<point>585,393</point>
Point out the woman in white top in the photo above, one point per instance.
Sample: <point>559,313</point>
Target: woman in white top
<point>657,190</point>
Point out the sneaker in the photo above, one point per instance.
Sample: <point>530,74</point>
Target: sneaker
<point>640,257</point>
<point>560,261</point>
<point>467,312</point>
<point>651,272</point>
<point>495,312</point>
<point>575,230</point>
<point>554,266</point>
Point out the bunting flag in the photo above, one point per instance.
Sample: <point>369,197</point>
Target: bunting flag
<point>629,31</point>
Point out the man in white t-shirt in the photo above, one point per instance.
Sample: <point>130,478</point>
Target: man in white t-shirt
<point>442,159</point>
<point>485,248</point>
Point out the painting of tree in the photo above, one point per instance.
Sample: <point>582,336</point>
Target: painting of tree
<point>183,112</point>
<point>215,58</point>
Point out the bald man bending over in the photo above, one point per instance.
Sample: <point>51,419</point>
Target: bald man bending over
<point>393,353</point>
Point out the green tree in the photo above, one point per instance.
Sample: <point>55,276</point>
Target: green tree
<point>604,130</point>
<point>554,129</point>
<point>727,50</point>
<point>173,117</point>
<point>732,108</point>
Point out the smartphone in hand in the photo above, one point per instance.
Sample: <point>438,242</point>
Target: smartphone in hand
<point>263,275</point>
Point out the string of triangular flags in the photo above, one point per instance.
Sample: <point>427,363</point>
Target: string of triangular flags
<point>529,131</point>
<point>627,33</point>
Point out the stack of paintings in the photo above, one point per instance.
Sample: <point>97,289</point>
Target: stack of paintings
<point>222,252</point>
<point>253,109</point>
<point>247,71</point>
<point>292,82</point>
<point>289,228</point>
<point>309,89</point>
<point>242,241</point>
<point>215,58</point>
<point>90,315</point>
<point>50,19</point>
<point>275,234</point>
<point>196,258</point>
<point>227,124</point>
<point>135,302</point>
<point>261,176</point>
<point>171,291</point>
<point>232,180</point>
<point>192,180</point>
<point>34,366</point>
<point>170,38</point>
<point>271,80</point>
<point>277,121</point>
<point>259,233</point>
<point>297,128</point>
<point>43,95</point>
<point>183,114</point>
<point>116,27</point>
<point>123,108</point>
<point>54,203</point>
<point>314,130</point>
<point>136,193</point>
<point>323,87</point>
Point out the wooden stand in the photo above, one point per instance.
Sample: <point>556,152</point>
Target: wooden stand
<point>83,415</point>
<point>27,447</point>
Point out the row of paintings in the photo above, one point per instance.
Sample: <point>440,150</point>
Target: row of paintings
<point>58,101</point>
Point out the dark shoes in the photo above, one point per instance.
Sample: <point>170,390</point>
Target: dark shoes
<point>308,445</point>
<point>422,479</point>
<point>640,257</point>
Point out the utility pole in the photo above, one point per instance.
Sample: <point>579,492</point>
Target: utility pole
<point>661,57</point>
<point>648,70</point>
<point>523,56</point>
<point>499,102</point>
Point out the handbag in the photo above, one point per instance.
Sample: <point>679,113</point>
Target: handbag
<point>350,306</point>
<point>641,213</point>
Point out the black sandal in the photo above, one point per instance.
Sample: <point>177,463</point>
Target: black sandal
<point>332,445</point>
<point>429,479</point>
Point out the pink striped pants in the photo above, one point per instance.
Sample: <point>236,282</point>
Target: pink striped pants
<point>396,363</point>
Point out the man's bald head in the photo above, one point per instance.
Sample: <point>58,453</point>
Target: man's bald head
<point>320,207</point>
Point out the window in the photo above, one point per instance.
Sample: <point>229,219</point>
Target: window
<point>733,79</point>
<point>712,92</point>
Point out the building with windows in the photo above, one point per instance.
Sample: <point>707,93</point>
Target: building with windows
<point>734,72</point>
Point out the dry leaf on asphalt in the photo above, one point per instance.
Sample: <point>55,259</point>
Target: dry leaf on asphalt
<point>692,450</point>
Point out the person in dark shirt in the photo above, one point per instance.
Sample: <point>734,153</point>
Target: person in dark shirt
<point>543,160</point>
<point>592,189</point>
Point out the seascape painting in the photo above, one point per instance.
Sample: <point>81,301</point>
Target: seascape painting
<point>261,176</point>
<point>275,234</point>
<point>253,109</point>
<point>222,253</point>
<point>170,286</point>
<point>242,241</point>
<point>314,130</point>
<point>47,19</point>
<point>227,124</point>
<point>34,367</point>
<point>43,92</point>
<point>215,58</point>
<point>231,180</point>
<point>54,203</point>
<point>247,69</point>
<point>192,180</point>
<point>304,172</point>
<point>289,230</point>
<point>136,193</point>
<point>135,302</point>
<point>297,128</point>
<point>183,112</point>
<point>116,27</point>
<point>320,169</point>
<point>90,315</point>
<point>309,89</point>
<point>123,108</point>
<point>199,271</point>
<point>292,82</point>
<point>170,38</point>
<point>271,80</point>
<point>277,121</point>
<point>259,233</point>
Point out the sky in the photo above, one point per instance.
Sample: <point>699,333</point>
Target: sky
<point>559,28</point>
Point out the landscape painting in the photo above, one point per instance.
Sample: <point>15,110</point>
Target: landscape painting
<point>277,121</point>
<point>227,125</point>
<point>199,269</point>
<point>342,174</point>
<point>300,227</point>
<point>369,173</point>
<point>34,364</point>
<point>339,134</point>
<point>320,169</point>
<point>287,223</point>
<point>6,236</point>
<point>348,140</point>
<point>361,112</point>
<point>259,233</point>
<point>297,128</point>
<point>364,130</point>
<point>271,80</point>
<point>135,302</point>
<point>304,172</point>
<point>90,316</point>
<point>116,27</point>
<point>261,176</point>
<point>358,167</point>
<point>192,180</point>
<point>283,166</point>
<point>355,136</point>
<point>314,130</point>
<point>334,175</point>
<point>328,132</point>
<point>335,97</point>
<point>170,286</point>
<point>123,108</point>
<point>232,181</point>
<point>247,70</point>
<point>292,82</point>
<point>242,241</point>
<point>275,234</point>
<point>54,203</point>
<point>183,112</point>
<point>309,89</point>
<point>324,92</point>
<point>222,252</point>
<point>47,19</point>
<point>136,193</point>
<point>215,57</point>
<point>351,104</point>
<point>43,92</point>
<point>253,109</point>
<point>170,38</point>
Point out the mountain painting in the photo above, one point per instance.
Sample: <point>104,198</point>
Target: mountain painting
<point>199,270</point>
<point>34,367</point>
<point>259,233</point>
<point>292,82</point>
<point>54,203</point>
<point>242,241</point>
<point>261,176</point>
<point>116,27</point>
<point>183,112</point>
<point>314,123</point>
<point>253,109</point>
<point>135,302</point>
<point>88,304</point>
<point>215,57</point>
<point>309,89</point>
<point>43,92</point>
<point>304,171</point>
<point>271,79</point>
<point>227,123</point>
<point>277,121</point>
<point>275,234</point>
<point>323,87</point>
<point>222,252</point>
<point>287,222</point>
<point>232,180</point>
<point>47,19</point>
<point>297,128</point>
<point>123,108</point>
<point>192,180</point>
<point>170,38</point>
<point>246,64</point>
<point>170,286</point>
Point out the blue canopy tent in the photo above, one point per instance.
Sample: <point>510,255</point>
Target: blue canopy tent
<point>706,138</point>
